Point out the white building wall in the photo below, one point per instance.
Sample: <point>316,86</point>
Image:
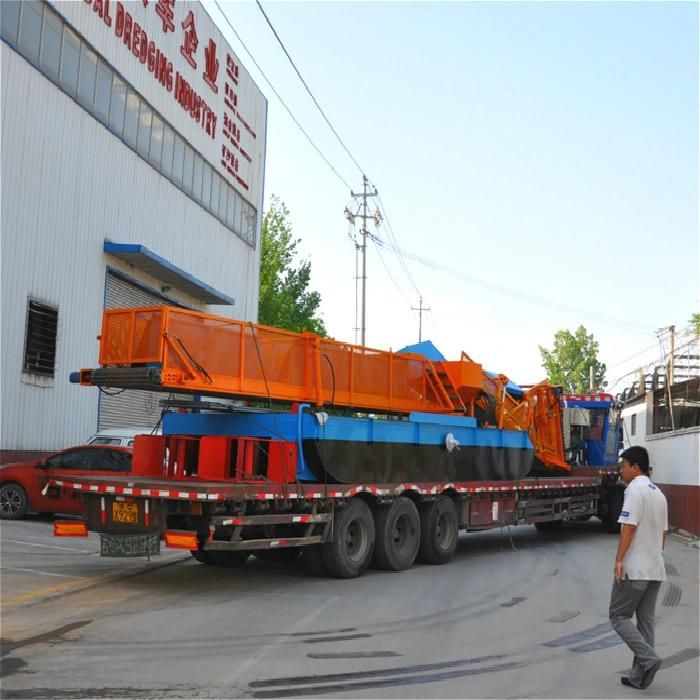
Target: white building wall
<point>68,184</point>
<point>674,456</point>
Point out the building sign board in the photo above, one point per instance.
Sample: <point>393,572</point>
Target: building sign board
<point>175,56</point>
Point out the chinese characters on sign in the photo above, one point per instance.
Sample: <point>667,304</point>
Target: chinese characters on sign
<point>164,9</point>
<point>237,137</point>
<point>190,42</point>
<point>212,66</point>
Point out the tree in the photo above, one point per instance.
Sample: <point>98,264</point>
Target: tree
<point>285,300</point>
<point>568,363</point>
<point>695,324</point>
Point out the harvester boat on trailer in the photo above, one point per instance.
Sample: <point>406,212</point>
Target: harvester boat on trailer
<point>447,446</point>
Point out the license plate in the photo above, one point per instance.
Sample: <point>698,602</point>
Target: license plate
<point>125,512</point>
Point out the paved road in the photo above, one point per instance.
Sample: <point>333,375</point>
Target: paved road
<point>515,615</point>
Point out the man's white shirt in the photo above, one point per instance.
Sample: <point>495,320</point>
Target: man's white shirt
<point>645,506</point>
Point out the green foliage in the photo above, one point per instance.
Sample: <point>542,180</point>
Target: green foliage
<point>695,323</point>
<point>568,362</point>
<point>285,300</point>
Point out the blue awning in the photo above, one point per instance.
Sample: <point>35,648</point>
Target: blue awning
<point>146,260</point>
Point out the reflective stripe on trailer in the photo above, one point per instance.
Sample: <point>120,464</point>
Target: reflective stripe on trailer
<point>314,492</point>
<point>132,491</point>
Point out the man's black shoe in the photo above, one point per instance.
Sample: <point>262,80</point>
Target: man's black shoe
<point>626,681</point>
<point>649,675</point>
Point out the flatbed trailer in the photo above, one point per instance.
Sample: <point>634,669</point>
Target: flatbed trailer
<point>338,529</point>
<point>415,448</point>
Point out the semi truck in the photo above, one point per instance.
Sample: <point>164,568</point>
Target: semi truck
<point>339,454</point>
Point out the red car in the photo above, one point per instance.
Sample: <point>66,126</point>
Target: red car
<point>21,483</point>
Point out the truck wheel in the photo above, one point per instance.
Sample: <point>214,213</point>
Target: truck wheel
<point>220,558</point>
<point>398,535</point>
<point>549,526</point>
<point>349,554</point>
<point>438,531</point>
<point>615,500</point>
<point>13,502</point>
<point>312,556</point>
<point>201,557</point>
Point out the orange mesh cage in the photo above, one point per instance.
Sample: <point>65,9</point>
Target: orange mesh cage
<point>545,426</point>
<point>209,354</point>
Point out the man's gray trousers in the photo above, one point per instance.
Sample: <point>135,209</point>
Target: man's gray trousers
<point>630,597</point>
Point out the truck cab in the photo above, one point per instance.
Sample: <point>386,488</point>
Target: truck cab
<point>590,426</point>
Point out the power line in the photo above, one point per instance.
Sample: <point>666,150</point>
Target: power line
<point>272,87</point>
<point>330,125</point>
<point>395,246</point>
<point>631,357</point>
<point>388,272</point>
<point>323,114</point>
<point>629,325</point>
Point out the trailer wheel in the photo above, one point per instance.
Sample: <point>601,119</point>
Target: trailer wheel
<point>438,531</point>
<point>615,500</point>
<point>312,556</point>
<point>349,554</point>
<point>398,535</point>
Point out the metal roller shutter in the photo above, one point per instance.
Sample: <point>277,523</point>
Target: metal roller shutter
<point>124,409</point>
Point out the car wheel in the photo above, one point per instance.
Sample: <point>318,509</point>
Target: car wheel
<point>13,502</point>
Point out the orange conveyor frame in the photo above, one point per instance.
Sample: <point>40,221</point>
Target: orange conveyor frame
<point>206,354</point>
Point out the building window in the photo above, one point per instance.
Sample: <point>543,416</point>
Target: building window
<point>30,30</point>
<point>143,143</point>
<point>156,141</point>
<point>103,92</point>
<point>70,60</point>
<point>197,178</point>
<point>215,189</point>
<point>9,17</point>
<point>51,44</point>
<point>40,341</point>
<point>131,123</point>
<point>86,83</point>
<point>178,156</point>
<point>166,163</point>
<point>633,425</point>
<point>187,172</point>
<point>117,106</point>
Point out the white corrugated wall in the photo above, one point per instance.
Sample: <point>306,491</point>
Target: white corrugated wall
<point>67,184</point>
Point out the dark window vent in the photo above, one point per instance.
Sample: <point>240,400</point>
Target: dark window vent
<point>40,342</point>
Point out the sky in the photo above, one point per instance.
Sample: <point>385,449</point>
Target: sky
<point>537,164</point>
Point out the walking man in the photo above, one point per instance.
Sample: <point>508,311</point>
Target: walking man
<point>639,566</point>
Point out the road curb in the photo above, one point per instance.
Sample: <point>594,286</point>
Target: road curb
<point>685,537</point>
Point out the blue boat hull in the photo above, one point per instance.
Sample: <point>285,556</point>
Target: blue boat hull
<point>424,447</point>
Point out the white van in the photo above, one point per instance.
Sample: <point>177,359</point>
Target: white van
<point>123,437</point>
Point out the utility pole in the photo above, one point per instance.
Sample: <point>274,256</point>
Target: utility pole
<point>420,311</point>
<point>364,233</point>
<point>672,331</point>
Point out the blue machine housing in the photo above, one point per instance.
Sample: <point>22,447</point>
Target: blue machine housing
<point>599,450</point>
<point>423,447</point>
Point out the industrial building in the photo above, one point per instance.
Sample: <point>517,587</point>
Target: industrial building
<point>133,154</point>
